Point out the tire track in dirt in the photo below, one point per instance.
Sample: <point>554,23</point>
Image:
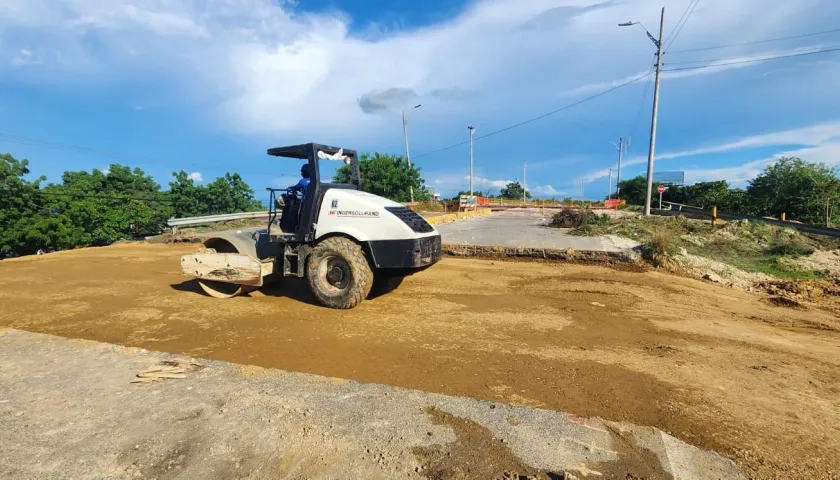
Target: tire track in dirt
<point>647,348</point>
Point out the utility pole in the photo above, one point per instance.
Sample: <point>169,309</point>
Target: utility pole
<point>407,155</point>
<point>524,182</point>
<point>471,129</point>
<point>652,148</point>
<point>618,175</point>
<point>655,113</point>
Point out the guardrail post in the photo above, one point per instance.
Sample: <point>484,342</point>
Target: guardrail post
<point>783,216</point>
<point>714,215</point>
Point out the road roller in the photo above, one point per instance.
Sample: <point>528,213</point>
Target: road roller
<point>349,245</point>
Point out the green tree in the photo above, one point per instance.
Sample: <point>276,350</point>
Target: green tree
<point>229,194</point>
<point>477,193</point>
<point>805,191</point>
<point>633,190</point>
<point>702,194</point>
<point>25,223</point>
<point>514,190</point>
<point>388,176</point>
<point>738,201</point>
<point>187,198</point>
<point>98,208</point>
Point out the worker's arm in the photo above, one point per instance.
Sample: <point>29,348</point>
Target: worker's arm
<point>301,185</point>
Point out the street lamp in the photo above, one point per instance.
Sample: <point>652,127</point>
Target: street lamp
<point>407,155</point>
<point>652,147</point>
<point>471,128</point>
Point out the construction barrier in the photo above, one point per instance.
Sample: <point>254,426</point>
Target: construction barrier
<point>470,202</point>
<point>452,217</point>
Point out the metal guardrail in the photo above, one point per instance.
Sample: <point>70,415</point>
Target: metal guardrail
<point>174,223</point>
<point>693,211</point>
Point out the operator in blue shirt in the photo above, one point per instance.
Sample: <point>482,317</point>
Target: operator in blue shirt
<point>289,205</point>
<point>304,181</point>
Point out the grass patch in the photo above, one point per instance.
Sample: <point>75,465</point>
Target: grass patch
<point>659,248</point>
<point>752,258</point>
<point>590,230</point>
<point>428,207</point>
<point>750,246</point>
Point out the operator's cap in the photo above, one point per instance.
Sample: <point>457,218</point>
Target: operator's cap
<point>305,168</point>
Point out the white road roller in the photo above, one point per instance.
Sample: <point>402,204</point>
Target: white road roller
<point>347,243</point>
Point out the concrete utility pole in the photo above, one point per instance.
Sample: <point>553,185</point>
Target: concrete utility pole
<point>524,182</point>
<point>407,155</point>
<point>652,149</point>
<point>618,175</point>
<point>471,129</point>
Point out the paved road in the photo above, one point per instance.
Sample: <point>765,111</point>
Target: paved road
<point>524,228</point>
<point>67,410</point>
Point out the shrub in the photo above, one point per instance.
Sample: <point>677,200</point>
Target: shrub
<point>791,247</point>
<point>601,220</point>
<point>570,218</point>
<point>659,248</point>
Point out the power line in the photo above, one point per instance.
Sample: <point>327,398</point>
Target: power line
<point>539,117</point>
<point>141,159</point>
<point>80,149</point>
<point>689,9</point>
<point>689,62</point>
<point>638,115</point>
<point>753,60</point>
<point>756,42</point>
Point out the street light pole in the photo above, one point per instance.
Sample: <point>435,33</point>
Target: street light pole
<point>654,113</point>
<point>618,174</point>
<point>524,182</point>
<point>407,155</point>
<point>472,130</point>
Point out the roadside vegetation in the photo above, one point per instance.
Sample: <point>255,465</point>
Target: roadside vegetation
<point>746,253</point>
<point>753,251</point>
<point>807,192</point>
<point>101,207</point>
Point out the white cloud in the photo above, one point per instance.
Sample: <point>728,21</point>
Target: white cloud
<point>739,175</point>
<point>454,183</point>
<point>545,191</point>
<point>270,69</point>
<point>25,57</point>
<point>821,141</point>
<point>196,177</point>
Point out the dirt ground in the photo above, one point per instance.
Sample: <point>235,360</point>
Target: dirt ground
<point>719,368</point>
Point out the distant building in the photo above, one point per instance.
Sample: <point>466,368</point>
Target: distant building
<point>436,196</point>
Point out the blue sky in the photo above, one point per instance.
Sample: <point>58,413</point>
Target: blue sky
<point>207,86</point>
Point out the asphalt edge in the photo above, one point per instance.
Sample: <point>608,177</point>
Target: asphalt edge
<point>623,257</point>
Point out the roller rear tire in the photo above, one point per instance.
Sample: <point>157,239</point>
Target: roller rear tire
<point>338,273</point>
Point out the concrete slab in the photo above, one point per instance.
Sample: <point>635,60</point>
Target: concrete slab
<point>67,410</point>
<point>525,228</point>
